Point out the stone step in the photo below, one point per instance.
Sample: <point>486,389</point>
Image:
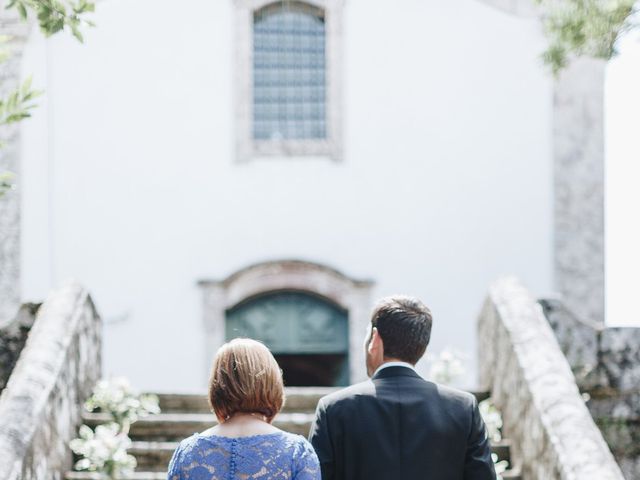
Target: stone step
<point>176,426</point>
<point>155,438</point>
<point>133,476</point>
<point>155,456</point>
<point>298,400</point>
<point>509,475</point>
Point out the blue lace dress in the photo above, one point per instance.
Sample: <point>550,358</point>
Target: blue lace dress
<point>271,456</point>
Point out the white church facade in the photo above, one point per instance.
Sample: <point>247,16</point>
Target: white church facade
<point>228,167</point>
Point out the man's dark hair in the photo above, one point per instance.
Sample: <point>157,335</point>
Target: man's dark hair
<point>404,324</point>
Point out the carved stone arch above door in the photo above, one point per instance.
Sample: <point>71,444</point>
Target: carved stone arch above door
<point>262,279</point>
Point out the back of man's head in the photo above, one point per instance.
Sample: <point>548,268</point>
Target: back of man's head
<point>404,325</point>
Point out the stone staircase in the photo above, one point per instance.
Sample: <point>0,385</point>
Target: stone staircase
<point>155,438</point>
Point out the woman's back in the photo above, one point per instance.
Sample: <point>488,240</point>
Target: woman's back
<point>277,455</point>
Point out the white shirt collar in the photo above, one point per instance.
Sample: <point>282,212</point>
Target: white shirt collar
<point>393,364</point>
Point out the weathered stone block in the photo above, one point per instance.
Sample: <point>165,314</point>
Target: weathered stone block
<point>606,364</point>
<point>40,407</point>
<point>521,363</point>
<point>10,24</point>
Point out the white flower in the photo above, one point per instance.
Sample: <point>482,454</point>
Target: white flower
<point>500,467</point>
<point>116,397</point>
<point>104,450</point>
<point>492,419</point>
<point>447,367</point>
<point>83,464</point>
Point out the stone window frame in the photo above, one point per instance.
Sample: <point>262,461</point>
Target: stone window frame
<point>247,148</point>
<point>352,295</point>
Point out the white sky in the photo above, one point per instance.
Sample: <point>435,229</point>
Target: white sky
<point>622,107</point>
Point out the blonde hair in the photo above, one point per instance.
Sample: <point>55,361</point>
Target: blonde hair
<point>245,378</point>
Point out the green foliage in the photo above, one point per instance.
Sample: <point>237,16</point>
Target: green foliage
<point>105,450</point>
<point>585,27</point>
<point>56,15</point>
<point>118,399</point>
<point>5,182</point>
<point>53,16</point>
<point>4,50</point>
<point>18,104</point>
<point>15,106</point>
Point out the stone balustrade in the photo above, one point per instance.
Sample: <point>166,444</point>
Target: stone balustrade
<point>40,408</point>
<point>544,414</point>
<point>606,364</point>
<point>17,32</point>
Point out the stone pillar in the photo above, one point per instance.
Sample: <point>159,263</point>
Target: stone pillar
<point>10,24</point>
<point>578,133</point>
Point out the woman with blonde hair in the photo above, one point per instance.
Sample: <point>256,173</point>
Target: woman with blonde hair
<point>246,392</point>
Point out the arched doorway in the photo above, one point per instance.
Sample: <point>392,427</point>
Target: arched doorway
<point>308,335</point>
<point>328,310</point>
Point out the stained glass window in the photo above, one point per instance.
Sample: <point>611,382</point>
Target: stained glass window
<point>289,73</point>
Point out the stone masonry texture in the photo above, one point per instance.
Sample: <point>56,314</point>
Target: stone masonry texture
<point>17,30</point>
<point>606,365</point>
<point>531,383</point>
<point>40,408</point>
<point>578,136</point>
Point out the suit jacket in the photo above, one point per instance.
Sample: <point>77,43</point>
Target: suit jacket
<point>398,426</point>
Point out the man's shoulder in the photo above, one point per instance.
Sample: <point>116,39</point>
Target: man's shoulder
<point>454,395</point>
<point>345,394</point>
<point>430,390</point>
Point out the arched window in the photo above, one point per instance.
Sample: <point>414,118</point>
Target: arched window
<point>288,78</point>
<point>289,72</point>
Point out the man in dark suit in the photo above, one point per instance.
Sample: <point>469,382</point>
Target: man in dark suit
<point>398,426</point>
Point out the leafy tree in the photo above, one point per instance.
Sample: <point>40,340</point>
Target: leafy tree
<point>585,27</point>
<point>53,16</point>
<point>56,15</point>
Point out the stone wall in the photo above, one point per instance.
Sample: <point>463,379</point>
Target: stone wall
<point>12,340</point>
<point>18,31</point>
<point>606,364</point>
<point>57,369</point>
<point>578,177</point>
<point>520,361</point>
<point>578,137</point>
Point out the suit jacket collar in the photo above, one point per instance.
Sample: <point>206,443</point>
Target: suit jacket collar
<point>395,372</point>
